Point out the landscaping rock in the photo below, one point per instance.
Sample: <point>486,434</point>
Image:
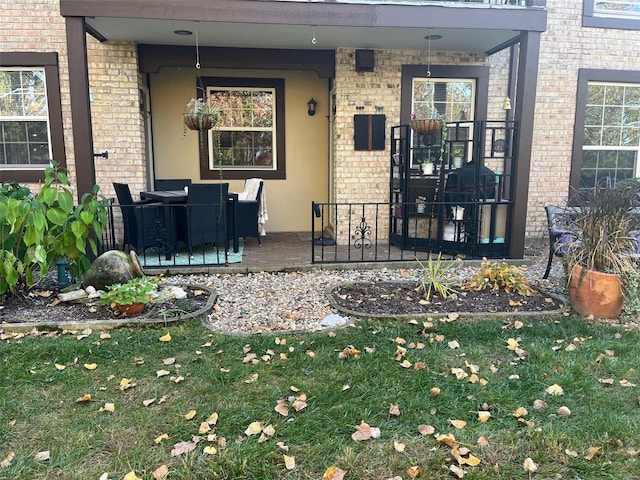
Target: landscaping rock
<point>112,267</point>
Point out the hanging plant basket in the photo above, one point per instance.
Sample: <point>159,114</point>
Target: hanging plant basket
<point>426,126</point>
<point>197,121</point>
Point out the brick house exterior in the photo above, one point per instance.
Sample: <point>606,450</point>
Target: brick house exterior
<point>122,120</point>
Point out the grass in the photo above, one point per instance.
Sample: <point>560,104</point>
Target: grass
<point>39,412</point>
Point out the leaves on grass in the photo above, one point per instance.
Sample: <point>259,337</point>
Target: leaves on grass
<point>108,407</point>
<point>555,390</point>
<point>131,476</point>
<point>85,398</point>
<point>334,473</point>
<point>426,430</point>
<point>414,471</point>
<point>42,456</point>
<point>289,462</point>
<point>161,438</point>
<point>7,460</point>
<point>394,410</point>
<point>365,432</point>
<point>190,414</point>
<point>181,448</point>
<point>161,472</point>
<point>349,352</point>
<point>529,465</point>
<point>90,366</point>
<point>165,338</point>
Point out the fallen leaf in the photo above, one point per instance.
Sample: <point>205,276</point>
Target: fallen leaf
<point>161,438</point>
<point>564,411</point>
<point>60,367</point>
<point>540,405</point>
<point>209,450</point>
<point>483,441</point>
<point>162,373</point>
<point>148,402</point>
<point>414,471</point>
<point>591,452</point>
<point>190,414</point>
<point>512,343</point>
<point>289,462</point>
<point>333,473</point>
<point>85,398</point>
<point>108,407</point>
<point>204,428</point>
<point>282,408</point>
<point>252,378</point>
<point>520,412</point>
<point>254,428</point>
<point>529,465</point>
<point>165,338</point>
<point>435,391</point>
<point>169,361</point>
<point>555,389</point>
<point>453,344</point>
<point>399,447</point>
<point>426,429</point>
<point>161,472</point>
<point>458,423</point>
<point>131,476</point>
<point>90,366</point>
<point>571,453</point>
<point>182,447</point>
<point>126,383</point>
<point>299,403</point>
<point>394,410</point>
<point>7,460</point>
<point>42,456</point>
<point>483,416</point>
<point>471,460</point>
<point>457,471</point>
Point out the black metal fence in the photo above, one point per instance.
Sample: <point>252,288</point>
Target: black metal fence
<point>363,232</point>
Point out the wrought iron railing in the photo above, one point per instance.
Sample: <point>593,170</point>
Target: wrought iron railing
<point>364,232</point>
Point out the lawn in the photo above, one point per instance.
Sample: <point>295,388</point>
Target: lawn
<point>476,400</point>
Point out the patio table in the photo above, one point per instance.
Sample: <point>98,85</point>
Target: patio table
<point>171,198</point>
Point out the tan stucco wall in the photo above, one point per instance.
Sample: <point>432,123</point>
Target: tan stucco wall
<point>289,200</point>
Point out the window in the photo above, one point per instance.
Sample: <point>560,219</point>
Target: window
<point>31,133</point>
<point>24,125</point>
<point>250,128</point>
<point>622,14</point>
<point>611,133</point>
<point>450,98</point>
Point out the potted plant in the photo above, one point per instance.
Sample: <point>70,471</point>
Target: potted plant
<point>421,204</point>
<point>426,126</point>
<point>426,167</point>
<point>601,262</point>
<point>457,154</point>
<point>130,298</point>
<point>199,114</point>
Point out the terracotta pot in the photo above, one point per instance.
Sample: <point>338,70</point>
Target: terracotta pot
<point>130,309</point>
<point>595,293</point>
<point>426,126</point>
<point>192,121</point>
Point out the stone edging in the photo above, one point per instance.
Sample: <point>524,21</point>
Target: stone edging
<point>473,315</point>
<point>116,323</point>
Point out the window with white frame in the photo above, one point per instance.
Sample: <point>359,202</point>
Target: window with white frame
<point>25,138</point>
<point>451,99</point>
<point>617,8</point>
<point>611,133</point>
<point>246,126</point>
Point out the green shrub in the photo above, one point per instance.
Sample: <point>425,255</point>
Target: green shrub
<point>434,278</point>
<point>137,290</point>
<point>36,230</point>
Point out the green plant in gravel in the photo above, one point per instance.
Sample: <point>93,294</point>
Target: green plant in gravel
<point>499,276</point>
<point>43,379</point>
<point>136,290</point>
<point>36,230</point>
<point>434,278</point>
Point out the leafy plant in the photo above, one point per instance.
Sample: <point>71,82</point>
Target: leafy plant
<point>36,230</point>
<point>206,113</point>
<point>137,290</point>
<point>499,275</point>
<point>434,278</point>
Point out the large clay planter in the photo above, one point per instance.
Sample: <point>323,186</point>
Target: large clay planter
<point>595,293</point>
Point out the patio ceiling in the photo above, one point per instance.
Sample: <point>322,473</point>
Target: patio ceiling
<point>464,27</point>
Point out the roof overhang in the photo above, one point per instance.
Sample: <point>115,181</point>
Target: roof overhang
<point>464,27</point>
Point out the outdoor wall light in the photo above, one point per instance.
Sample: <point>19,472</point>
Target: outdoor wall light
<point>506,105</point>
<point>311,107</point>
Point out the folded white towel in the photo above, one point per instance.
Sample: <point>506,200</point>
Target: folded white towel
<point>250,192</point>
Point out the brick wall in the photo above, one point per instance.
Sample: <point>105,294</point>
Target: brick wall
<point>36,26</point>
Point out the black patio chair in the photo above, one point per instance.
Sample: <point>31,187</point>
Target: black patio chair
<point>172,184</point>
<point>246,214</point>
<point>143,221</point>
<point>207,217</point>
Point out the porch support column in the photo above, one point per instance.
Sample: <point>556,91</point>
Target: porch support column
<point>80,104</point>
<point>524,115</point>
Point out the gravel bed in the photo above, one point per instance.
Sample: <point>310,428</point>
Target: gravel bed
<point>292,301</point>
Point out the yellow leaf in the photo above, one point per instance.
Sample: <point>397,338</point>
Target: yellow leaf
<point>414,471</point>
<point>334,473</point>
<point>435,391</point>
<point>555,389</point>
<point>591,452</point>
<point>282,408</point>
<point>210,450</point>
<point>459,373</point>
<point>483,416</point>
<point>90,366</point>
<point>162,373</point>
<point>289,462</point>
<point>252,378</point>
<point>165,338</point>
<point>204,428</point>
<point>458,423</point>
<point>399,447</point>
<point>161,438</point>
<point>512,343</point>
<point>254,428</point>
<point>471,460</point>
<point>108,407</point>
<point>520,412</point>
<point>125,383</point>
<point>406,364</point>
<point>131,476</point>
<point>7,460</point>
<point>529,465</point>
<point>85,398</point>
<point>161,472</point>
<point>213,419</point>
<point>190,414</point>
<point>60,367</point>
